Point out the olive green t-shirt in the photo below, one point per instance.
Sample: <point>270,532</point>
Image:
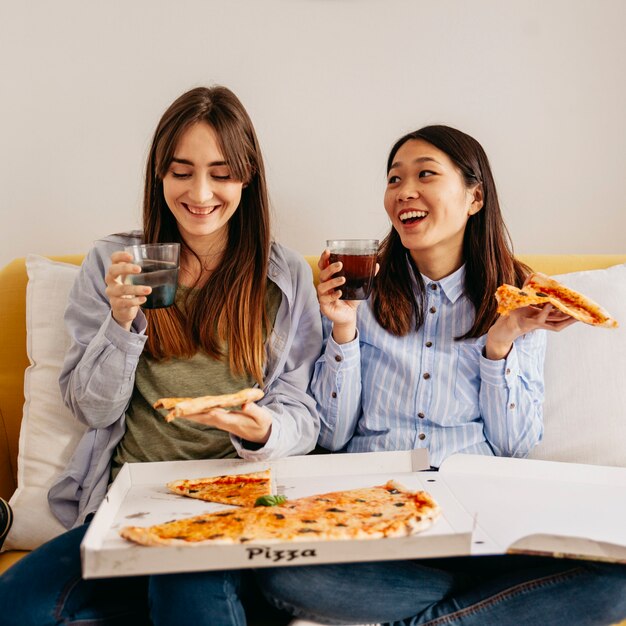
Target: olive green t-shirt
<point>148,436</point>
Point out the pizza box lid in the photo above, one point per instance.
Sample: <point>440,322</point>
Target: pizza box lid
<point>490,505</point>
<point>524,506</point>
<point>139,497</point>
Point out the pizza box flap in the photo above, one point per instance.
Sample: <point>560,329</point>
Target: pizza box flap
<point>541,507</point>
<point>139,497</point>
<point>569,548</point>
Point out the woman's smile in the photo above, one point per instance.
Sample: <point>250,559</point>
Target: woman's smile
<point>201,211</point>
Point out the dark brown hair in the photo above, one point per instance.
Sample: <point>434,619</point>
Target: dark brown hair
<point>230,307</point>
<point>487,249</point>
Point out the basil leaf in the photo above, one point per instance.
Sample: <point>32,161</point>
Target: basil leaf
<point>270,500</point>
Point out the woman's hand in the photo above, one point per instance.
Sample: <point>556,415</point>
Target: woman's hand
<point>506,330</point>
<point>342,313</point>
<point>252,422</point>
<point>125,299</point>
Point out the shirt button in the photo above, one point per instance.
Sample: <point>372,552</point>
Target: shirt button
<point>508,371</point>
<point>420,415</point>
<point>334,394</point>
<point>512,405</point>
<point>429,344</point>
<point>426,376</point>
<point>433,286</point>
<point>338,358</point>
<point>421,436</point>
<point>433,309</point>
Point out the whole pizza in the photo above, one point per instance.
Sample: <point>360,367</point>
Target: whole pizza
<point>388,510</point>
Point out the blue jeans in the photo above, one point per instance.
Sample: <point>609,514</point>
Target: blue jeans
<point>45,588</point>
<point>468,591</point>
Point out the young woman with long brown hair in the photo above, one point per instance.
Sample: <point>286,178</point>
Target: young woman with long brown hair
<point>245,314</point>
<point>427,362</point>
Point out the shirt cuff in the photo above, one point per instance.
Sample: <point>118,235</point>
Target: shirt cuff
<point>129,342</point>
<point>499,373</point>
<point>342,356</point>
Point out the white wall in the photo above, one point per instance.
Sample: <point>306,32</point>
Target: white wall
<point>330,85</point>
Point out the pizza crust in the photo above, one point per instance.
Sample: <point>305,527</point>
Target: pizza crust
<point>168,403</point>
<point>181,407</point>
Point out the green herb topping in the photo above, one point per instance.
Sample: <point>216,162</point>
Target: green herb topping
<point>270,500</point>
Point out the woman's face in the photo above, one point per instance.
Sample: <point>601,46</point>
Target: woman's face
<point>199,189</point>
<point>428,202</point>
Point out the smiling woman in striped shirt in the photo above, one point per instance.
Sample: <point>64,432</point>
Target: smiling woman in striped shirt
<point>427,362</point>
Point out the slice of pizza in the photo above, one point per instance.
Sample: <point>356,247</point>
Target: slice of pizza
<point>387,510</point>
<point>235,489</point>
<point>226,526</point>
<point>179,407</point>
<point>541,289</point>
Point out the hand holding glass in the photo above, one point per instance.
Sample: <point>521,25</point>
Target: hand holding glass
<point>359,265</point>
<point>159,270</point>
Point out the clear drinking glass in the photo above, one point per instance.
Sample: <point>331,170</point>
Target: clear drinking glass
<point>159,264</point>
<point>359,265</point>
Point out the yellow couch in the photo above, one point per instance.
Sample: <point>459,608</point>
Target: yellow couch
<point>13,359</point>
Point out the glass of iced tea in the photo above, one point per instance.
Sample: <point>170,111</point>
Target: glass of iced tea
<point>359,264</point>
<point>159,270</point>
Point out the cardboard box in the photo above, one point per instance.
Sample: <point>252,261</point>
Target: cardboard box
<point>490,506</point>
<point>541,507</point>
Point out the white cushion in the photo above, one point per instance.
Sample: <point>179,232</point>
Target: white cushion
<point>585,379</point>
<point>49,432</point>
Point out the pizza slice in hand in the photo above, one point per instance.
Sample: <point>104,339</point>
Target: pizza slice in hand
<point>541,289</point>
<point>235,489</point>
<point>181,407</point>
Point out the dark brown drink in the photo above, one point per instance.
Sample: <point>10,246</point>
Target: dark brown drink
<point>358,270</point>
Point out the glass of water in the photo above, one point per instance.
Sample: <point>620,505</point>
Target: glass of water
<point>159,264</point>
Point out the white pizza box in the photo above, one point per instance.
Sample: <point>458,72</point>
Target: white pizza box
<point>139,497</point>
<point>541,507</point>
<point>490,505</point>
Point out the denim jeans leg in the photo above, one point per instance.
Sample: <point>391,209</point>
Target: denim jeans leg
<point>45,588</point>
<point>479,591</point>
<point>196,598</point>
<point>527,591</point>
<point>357,592</point>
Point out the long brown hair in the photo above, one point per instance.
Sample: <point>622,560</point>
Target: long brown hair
<point>230,307</point>
<point>487,248</point>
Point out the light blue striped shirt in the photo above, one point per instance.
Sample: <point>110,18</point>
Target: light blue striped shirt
<point>426,390</point>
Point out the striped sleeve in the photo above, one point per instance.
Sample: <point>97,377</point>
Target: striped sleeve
<point>336,386</point>
<point>511,397</point>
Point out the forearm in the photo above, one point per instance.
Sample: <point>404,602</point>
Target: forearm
<point>336,386</point>
<point>344,333</point>
<point>97,381</point>
<point>294,430</point>
<point>511,397</point>
<point>97,376</point>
